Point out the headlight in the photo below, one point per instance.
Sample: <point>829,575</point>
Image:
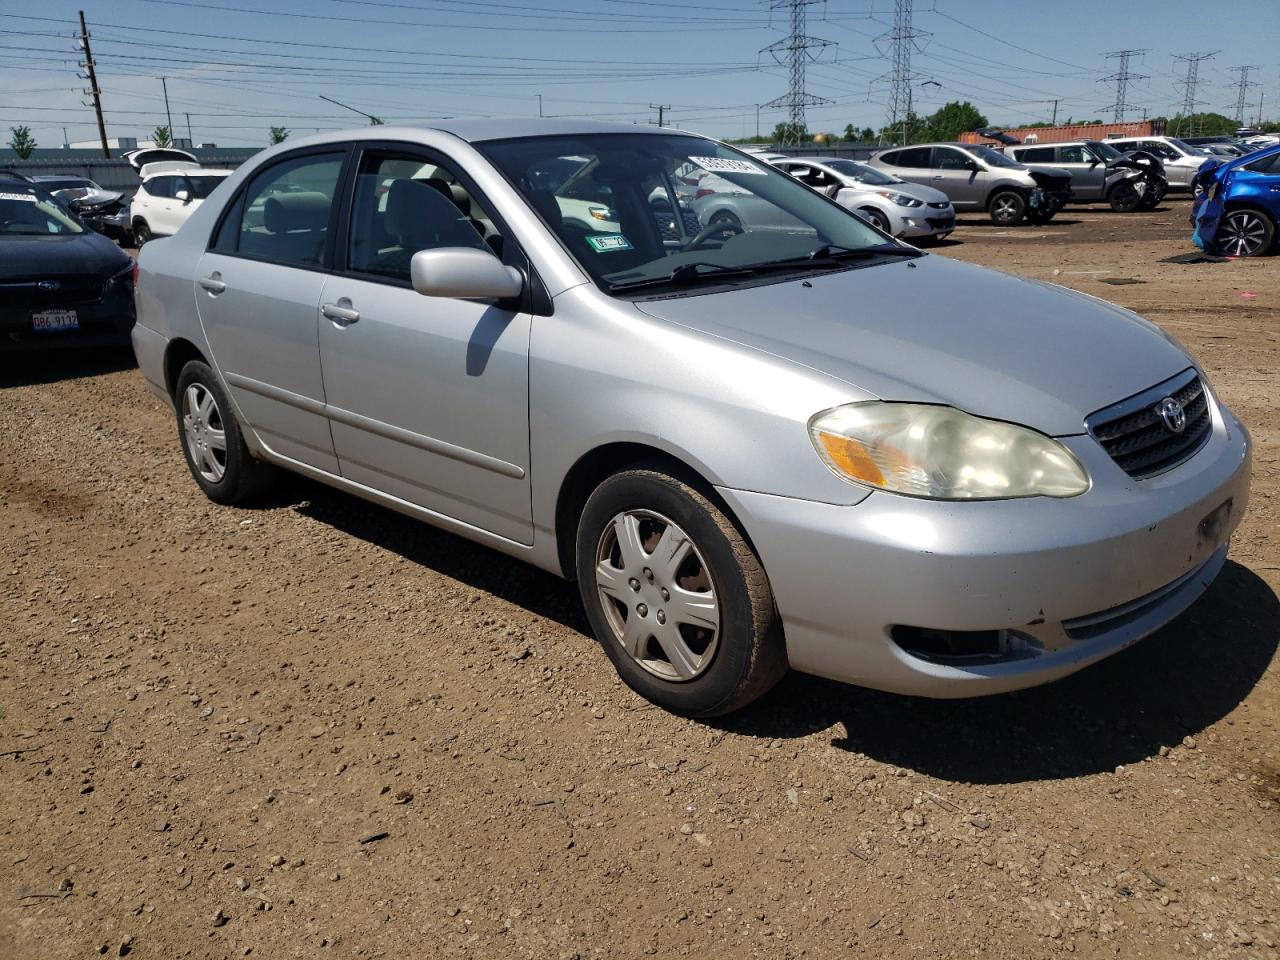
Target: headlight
<point>942,453</point>
<point>603,213</point>
<point>901,199</point>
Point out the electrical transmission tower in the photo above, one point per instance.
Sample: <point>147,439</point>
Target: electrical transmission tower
<point>901,41</point>
<point>1189,101</point>
<point>1242,87</point>
<point>794,51</point>
<point>1121,78</point>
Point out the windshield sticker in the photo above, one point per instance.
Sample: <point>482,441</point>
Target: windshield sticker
<point>721,165</point>
<point>28,197</point>
<point>608,242</point>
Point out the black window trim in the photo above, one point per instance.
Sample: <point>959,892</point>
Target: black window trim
<point>345,150</point>
<point>535,298</point>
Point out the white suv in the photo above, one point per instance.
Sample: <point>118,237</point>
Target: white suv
<point>170,193</point>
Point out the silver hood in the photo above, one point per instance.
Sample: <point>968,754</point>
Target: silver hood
<point>935,330</point>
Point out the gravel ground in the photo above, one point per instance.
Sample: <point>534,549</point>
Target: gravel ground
<point>316,728</point>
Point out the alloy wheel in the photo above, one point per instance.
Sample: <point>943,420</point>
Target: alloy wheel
<point>204,432</point>
<point>656,592</point>
<point>1243,234</point>
<point>1005,209</point>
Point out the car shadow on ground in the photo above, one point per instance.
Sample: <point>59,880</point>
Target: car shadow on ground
<point>469,563</point>
<point>1173,684</point>
<point>985,222</point>
<point>28,369</point>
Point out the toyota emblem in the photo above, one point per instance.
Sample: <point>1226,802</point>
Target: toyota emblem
<point>1172,415</point>
<point>49,286</point>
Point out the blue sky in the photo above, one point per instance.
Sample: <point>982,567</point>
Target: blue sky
<point>237,69</point>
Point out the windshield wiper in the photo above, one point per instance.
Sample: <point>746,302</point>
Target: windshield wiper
<point>687,273</point>
<point>833,251</point>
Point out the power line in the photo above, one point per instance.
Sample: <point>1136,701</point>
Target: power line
<point>796,47</point>
<point>662,109</point>
<point>1122,78</point>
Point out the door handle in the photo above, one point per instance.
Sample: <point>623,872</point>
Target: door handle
<point>343,316</point>
<point>938,177</point>
<point>213,283</point>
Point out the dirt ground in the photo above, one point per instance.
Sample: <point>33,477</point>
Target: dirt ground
<point>318,729</point>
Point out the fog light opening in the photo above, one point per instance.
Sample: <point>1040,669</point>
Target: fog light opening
<point>963,646</point>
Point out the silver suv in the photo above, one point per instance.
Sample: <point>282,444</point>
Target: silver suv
<point>977,177</point>
<point>1099,172</point>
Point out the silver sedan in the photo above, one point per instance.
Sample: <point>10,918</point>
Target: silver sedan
<point>752,449</point>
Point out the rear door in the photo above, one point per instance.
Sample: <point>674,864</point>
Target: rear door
<point>911,164</point>
<point>258,291</point>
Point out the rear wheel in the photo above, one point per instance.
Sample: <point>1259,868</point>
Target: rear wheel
<point>676,597</point>
<point>1246,233</point>
<point>1007,208</point>
<point>141,232</point>
<point>212,441</point>
<point>1124,197</point>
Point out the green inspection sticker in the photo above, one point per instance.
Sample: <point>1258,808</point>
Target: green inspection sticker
<point>608,242</point>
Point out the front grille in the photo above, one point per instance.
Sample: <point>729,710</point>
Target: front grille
<point>24,293</point>
<point>942,205</point>
<point>667,225</point>
<point>1134,433</point>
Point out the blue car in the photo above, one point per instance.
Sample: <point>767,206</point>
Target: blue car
<point>1237,205</point>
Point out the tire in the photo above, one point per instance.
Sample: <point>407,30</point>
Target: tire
<point>1124,198</point>
<point>141,232</point>
<point>687,666</point>
<point>212,441</point>
<point>1007,208</point>
<point>1246,232</point>
<point>878,219</point>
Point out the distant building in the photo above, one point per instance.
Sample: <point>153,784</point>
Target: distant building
<point>1074,131</point>
<point>123,144</point>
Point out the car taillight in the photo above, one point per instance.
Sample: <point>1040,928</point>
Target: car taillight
<point>704,192</point>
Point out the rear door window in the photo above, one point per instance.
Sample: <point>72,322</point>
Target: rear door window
<point>916,157</point>
<point>287,207</point>
<point>1036,155</point>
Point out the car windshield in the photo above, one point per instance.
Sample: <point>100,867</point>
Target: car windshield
<point>861,172</point>
<point>29,212</point>
<point>1105,150</point>
<point>1185,147</point>
<point>992,157</point>
<point>646,209</point>
<point>201,187</point>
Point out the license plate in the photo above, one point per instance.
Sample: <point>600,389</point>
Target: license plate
<point>50,321</point>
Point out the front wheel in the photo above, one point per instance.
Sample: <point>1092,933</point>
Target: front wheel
<point>676,596</point>
<point>1007,208</point>
<point>1246,233</point>
<point>1124,197</point>
<point>878,219</point>
<point>212,442</point>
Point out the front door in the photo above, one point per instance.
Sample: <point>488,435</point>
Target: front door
<point>1088,172</point>
<point>428,397</point>
<point>258,291</point>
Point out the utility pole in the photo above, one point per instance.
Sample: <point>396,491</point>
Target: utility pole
<point>757,121</point>
<point>373,121</point>
<point>168,117</point>
<point>1054,121</point>
<point>1121,78</point>
<point>539,96</point>
<point>1189,101</point>
<point>1242,87</point>
<point>190,139</point>
<point>66,141</point>
<point>93,87</point>
<point>662,109</point>
<point>794,51</point>
<point>901,41</point>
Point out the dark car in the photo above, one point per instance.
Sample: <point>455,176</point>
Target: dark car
<point>106,211</point>
<point>61,284</point>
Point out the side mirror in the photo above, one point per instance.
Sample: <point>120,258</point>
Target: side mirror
<point>182,195</point>
<point>464,273</point>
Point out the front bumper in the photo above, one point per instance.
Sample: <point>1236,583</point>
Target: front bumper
<point>1076,580</point>
<point>103,322</point>
<point>927,222</point>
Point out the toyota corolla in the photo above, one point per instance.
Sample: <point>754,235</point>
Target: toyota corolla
<point>813,448</point>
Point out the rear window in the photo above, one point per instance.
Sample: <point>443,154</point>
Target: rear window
<point>1035,155</point>
<point>916,157</point>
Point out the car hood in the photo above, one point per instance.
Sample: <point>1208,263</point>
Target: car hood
<point>913,190</point>
<point>54,256</point>
<point>934,330</point>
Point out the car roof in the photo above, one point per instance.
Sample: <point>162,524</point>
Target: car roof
<point>480,130</point>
